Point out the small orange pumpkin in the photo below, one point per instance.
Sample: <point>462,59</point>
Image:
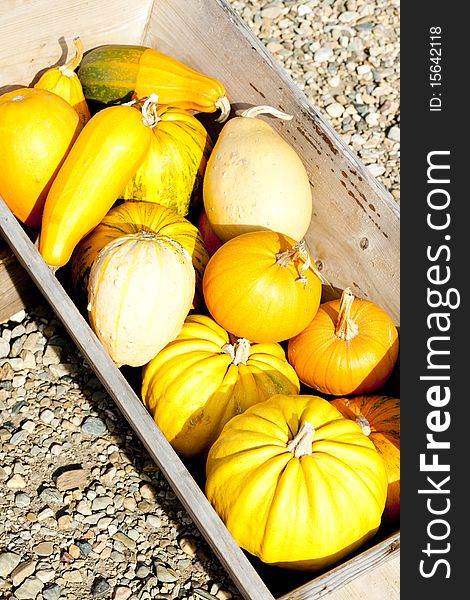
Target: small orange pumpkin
<point>261,286</point>
<point>379,418</point>
<point>350,347</point>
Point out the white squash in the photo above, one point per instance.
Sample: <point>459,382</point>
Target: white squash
<point>140,291</point>
<point>255,180</point>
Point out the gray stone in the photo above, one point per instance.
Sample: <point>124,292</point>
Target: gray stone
<point>323,55</point>
<point>100,587</point>
<point>29,589</point>
<point>52,592</point>
<point>94,426</point>
<point>8,563</point>
<point>4,348</point>
<point>22,500</point>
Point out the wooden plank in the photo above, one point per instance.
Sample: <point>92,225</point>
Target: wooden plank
<point>348,571</point>
<point>37,35</point>
<point>381,583</point>
<point>192,498</point>
<point>354,232</point>
<point>16,288</point>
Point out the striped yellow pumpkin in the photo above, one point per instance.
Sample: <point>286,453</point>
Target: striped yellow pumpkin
<point>195,385</point>
<point>132,217</point>
<point>174,168</point>
<point>140,291</point>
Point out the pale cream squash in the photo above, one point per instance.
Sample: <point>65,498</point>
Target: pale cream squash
<point>255,180</point>
<point>140,290</point>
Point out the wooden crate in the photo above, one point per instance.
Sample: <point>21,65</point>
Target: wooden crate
<point>353,236</point>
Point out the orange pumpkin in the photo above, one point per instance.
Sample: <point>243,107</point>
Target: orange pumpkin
<point>37,130</point>
<point>350,347</point>
<point>261,286</point>
<point>379,419</point>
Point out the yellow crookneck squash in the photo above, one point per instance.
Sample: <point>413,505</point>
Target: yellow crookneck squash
<point>132,218</point>
<point>379,418</point>
<point>204,377</point>
<point>64,82</point>
<point>173,170</point>
<point>296,484</point>
<point>107,153</point>
<point>350,347</point>
<point>37,131</point>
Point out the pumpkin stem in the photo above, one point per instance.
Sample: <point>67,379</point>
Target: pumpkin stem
<point>69,68</point>
<point>239,352</point>
<point>254,111</point>
<point>301,444</point>
<point>149,111</point>
<point>346,329</point>
<point>299,251</point>
<point>223,105</point>
<point>363,424</point>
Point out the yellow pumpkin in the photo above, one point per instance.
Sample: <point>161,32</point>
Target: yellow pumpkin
<point>133,217</point>
<point>350,347</point>
<point>106,154</point>
<point>255,180</point>
<point>262,286</point>
<point>37,130</point>
<point>173,169</point>
<point>296,484</point>
<point>64,82</point>
<point>140,291</point>
<point>379,418</point>
<point>203,378</point>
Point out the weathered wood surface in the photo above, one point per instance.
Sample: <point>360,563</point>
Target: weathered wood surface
<point>354,232</point>
<point>206,519</point>
<point>331,584</point>
<point>380,583</point>
<point>16,288</point>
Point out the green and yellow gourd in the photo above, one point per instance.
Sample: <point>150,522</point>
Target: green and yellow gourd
<point>172,173</point>
<point>117,73</point>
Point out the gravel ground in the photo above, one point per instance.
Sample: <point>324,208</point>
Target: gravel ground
<point>85,512</point>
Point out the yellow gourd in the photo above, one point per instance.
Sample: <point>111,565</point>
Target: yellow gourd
<point>140,291</point>
<point>64,82</point>
<point>205,377</point>
<point>172,172</point>
<point>106,154</point>
<point>37,130</point>
<point>296,484</point>
<point>255,180</point>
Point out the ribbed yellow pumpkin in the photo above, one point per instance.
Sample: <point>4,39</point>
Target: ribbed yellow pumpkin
<point>203,378</point>
<point>140,291</point>
<point>296,484</point>
<point>173,170</point>
<point>133,217</point>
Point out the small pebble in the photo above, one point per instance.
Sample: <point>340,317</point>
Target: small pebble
<point>100,587</point>
<point>8,563</point>
<point>22,500</point>
<point>94,426</point>
<point>29,589</point>
<point>323,55</point>
<point>52,592</point>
